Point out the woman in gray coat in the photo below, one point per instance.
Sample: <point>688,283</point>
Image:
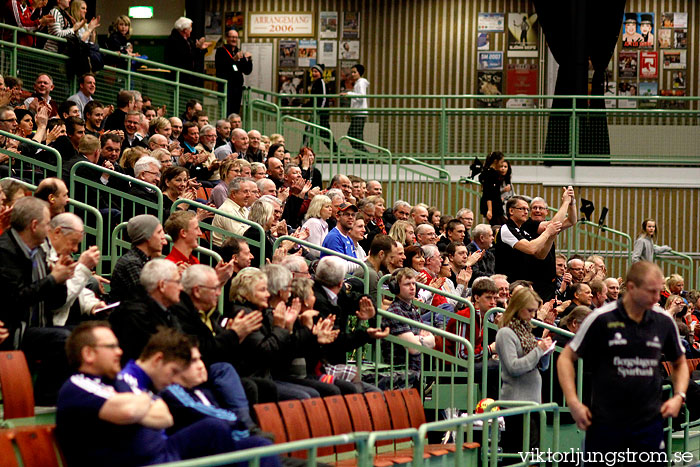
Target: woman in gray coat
<point>521,356</point>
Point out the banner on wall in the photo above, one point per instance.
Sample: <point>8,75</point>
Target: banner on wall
<point>610,90</point>
<point>522,35</point>
<point>281,24</point>
<point>288,54</point>
<point>351,25</point>
<point>350,50</point>
<point>627,64</point>
<point>627,88</point>
<point>234,19</point>
<point>674,59</point>
<point>489,83</point>
<point>648,88</point>
<point>291,82</point>
<point>674,20</point>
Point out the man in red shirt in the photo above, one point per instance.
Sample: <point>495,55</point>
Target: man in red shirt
<point>183,228</point>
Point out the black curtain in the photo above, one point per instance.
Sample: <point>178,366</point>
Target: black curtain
<point>578,32</point>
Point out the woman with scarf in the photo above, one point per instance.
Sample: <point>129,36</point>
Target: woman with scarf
<point>521,356</point>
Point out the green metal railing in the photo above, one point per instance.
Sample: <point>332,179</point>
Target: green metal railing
<point>93,230</point>
<point>313,246</point>
<point>420,182</point>
<point>206,227</point>
<point>263,116</point>
<point>298,133</point>
<point>366,443</point>
<point>675,262</point>
<point>114,205</point>
<point>448,129</point>
<point>445,371</point>
<point>27,62</point>
<point>31,169</point>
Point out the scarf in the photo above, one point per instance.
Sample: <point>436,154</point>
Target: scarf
<point>523,330</point>
<point>380,225</point>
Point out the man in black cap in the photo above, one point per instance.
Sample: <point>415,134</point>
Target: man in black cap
<point>147,240</point>
<point>338,239</point>
<point>318,88</point>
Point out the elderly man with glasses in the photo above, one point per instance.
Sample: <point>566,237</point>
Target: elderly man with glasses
<point>516,246</point>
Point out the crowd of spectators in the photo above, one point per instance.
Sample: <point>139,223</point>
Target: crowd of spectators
<point>290,314</point>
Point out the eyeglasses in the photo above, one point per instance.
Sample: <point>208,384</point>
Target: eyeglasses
<point>151,172</point>
<point>9,120</point>
<point>106,346</point>
<point>212,287</point>
<point>523,209</point>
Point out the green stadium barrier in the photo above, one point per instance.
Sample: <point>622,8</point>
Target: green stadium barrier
<point>31,169</point>
<point>28,62</point>
<point>675,262</point>
<point>95,229</point>
<point>298,133</point>
<point>264,117</point>
<point>114,205</point>
<point>419,182</point>
<point>449,129</point>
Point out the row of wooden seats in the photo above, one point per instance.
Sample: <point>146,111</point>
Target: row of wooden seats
<point>30,446</point>
<point>336,415</point>
<point>692,365</point>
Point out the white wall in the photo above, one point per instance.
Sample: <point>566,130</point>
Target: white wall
<point>165,12</point>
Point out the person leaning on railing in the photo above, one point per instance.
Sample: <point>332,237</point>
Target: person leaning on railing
<point>644,246</point>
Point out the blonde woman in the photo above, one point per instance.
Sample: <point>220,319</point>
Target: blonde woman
<point>521,356</point>
<point>320,210</point>
<point>87,33</point>
<point>403,232</point>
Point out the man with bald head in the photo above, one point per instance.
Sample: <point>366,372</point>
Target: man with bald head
<point>374,188</point>
<point>343,183</point>
<point>254,153</point>
<point>419,215</point>
<point>157,141</point>
<point>275,171</point>
<point>237,146</point>
<point>55,193</point>
<point>176,125</point>
<point>613,288</point>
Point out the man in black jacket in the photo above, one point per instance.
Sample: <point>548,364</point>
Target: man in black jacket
<point>334,298</point>
<point>231,65</point>
<point>138,318</point>
<point>29,290</point>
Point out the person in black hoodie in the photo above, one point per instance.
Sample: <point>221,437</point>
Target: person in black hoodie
<point>491,204</point>
<point>318,89</point>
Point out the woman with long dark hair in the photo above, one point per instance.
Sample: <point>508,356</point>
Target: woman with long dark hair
<point>644,246</point>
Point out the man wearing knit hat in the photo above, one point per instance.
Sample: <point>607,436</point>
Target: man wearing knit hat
<point>319,89</point>
<point>147,240</point>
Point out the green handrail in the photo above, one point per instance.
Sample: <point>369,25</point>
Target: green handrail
<point>108,52</point>
<point>261,233</point>
<point>221,96</point>
<point>100,187</point>
<point>250,116</point>
<point>673,258</point>
<point>467,365</point>
<point>57,168</point>
<point>313,246</point>
<point>381,160</point>
<point>307,124</point>
<point>404,163</point>
<point>73,204</point>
